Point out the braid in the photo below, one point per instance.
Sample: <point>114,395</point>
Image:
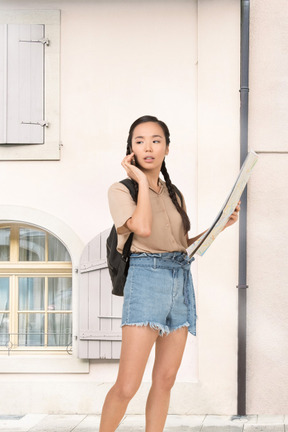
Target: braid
<point>173,196</point>
<point>135,184</point>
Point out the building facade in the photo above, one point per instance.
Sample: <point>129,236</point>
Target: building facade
<point>75,75</point>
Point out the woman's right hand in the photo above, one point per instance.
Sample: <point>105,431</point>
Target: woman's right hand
<point>141,221</point>
<point>132,171</point>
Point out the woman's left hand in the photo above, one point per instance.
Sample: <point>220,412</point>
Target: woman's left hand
<point>234,216</point>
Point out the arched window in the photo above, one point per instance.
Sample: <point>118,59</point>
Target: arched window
<point>35,290</point>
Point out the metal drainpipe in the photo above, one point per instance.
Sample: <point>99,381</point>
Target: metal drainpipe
<point>242,277</point>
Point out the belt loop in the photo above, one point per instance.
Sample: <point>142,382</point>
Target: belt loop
<point>155,263</point>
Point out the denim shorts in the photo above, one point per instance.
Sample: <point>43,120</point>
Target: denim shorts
<point>159,292</point>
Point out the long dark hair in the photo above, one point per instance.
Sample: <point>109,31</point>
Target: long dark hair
<point>170,187</point>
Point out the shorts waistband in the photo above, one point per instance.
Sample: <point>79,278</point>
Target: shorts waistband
<point>167,259</point>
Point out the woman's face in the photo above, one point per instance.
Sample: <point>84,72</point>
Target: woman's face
<point>149,145</point>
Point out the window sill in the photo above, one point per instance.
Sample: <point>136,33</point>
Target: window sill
<point>44,364</point>
<point>22,152</point>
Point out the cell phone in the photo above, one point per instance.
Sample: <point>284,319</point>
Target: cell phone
<point>134,161</point>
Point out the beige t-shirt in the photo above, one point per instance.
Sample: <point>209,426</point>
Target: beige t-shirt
<point>167,228</point>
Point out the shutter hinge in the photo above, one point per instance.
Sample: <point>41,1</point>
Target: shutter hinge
<point>100,335</point>
<point>42,40</point>
<point>40,123</point>
<point>92,266</point>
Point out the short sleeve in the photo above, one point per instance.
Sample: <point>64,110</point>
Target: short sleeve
<point>122,206</point>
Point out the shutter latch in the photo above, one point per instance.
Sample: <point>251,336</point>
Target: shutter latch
<point>40,123</point>
<point>42,40</point>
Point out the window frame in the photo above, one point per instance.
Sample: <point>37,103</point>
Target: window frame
<point>50,150</point>
<point>14,269</point>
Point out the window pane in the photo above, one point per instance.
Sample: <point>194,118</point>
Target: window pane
<point>31,245</point>
<point>4,329</point>
<point>31,293</point>
<point>4,294</point>
<point>4,244</point>
<point>4,306</point>
<point>56,250</point>
<point>31,329</point>
<point>60,293</point>
<point>59,329</point>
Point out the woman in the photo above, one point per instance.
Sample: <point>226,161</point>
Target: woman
<point>159,302</point>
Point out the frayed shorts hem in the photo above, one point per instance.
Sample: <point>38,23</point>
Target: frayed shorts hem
<point>162,329</point>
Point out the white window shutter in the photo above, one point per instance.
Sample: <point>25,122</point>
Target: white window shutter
<point>22,83</point>
<point>100,311</point>
<point>3,102</point>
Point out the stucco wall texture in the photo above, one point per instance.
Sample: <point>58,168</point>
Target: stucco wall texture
<point>190,79</point>
<point>267,326</point>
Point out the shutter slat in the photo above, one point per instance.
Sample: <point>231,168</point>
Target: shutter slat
<point>105,303</point>
<point>37,82</point>
<point>83,308</point>
<point>94,310</point>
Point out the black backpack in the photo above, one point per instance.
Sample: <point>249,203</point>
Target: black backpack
<point>118,264</point>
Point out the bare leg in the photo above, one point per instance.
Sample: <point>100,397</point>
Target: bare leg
<point>136,346</point>
<point>168,356</point>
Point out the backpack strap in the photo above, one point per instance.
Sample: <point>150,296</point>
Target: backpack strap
<point>127,246</point>
<point>129,184</point>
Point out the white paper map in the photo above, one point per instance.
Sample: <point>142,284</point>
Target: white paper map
<point>203,243</point>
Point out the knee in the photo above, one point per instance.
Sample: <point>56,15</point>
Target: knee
<point>125,391</point>
<point>165,380</point>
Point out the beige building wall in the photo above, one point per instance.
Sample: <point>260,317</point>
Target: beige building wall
<point>267,335</point>
<point>178,60</point>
